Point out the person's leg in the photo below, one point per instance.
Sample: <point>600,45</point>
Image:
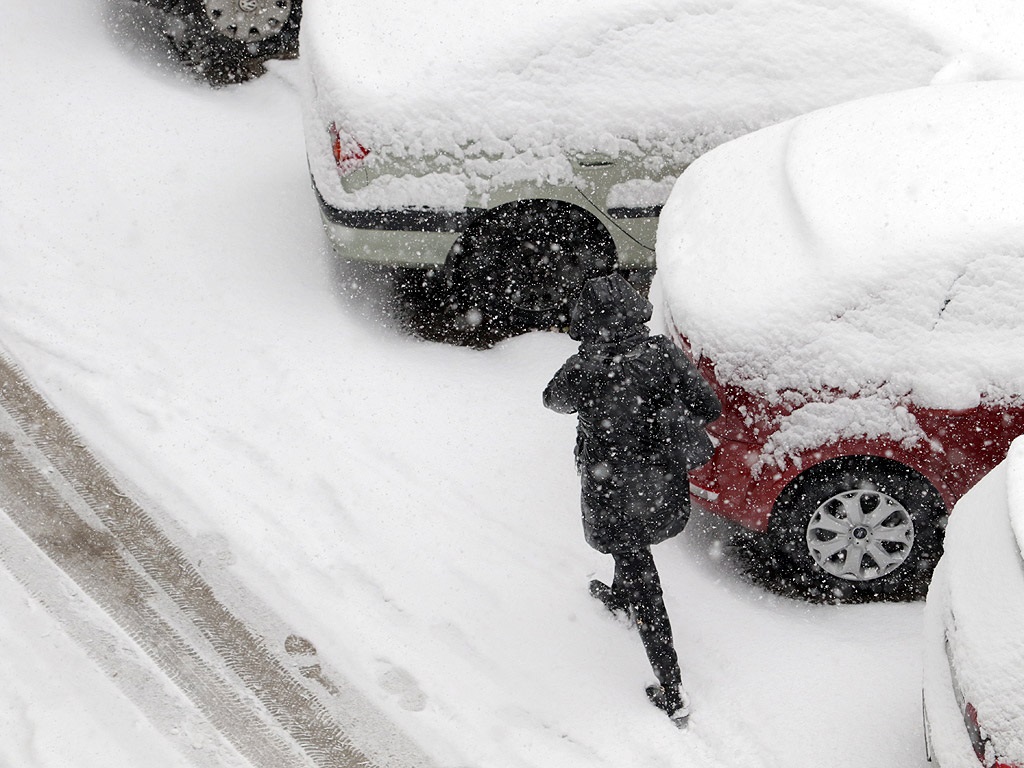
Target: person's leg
<point>611,599</point>
<point>636,577</point>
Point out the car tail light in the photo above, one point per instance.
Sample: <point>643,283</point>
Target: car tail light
<point>348,153</point>
<point>978,739</point>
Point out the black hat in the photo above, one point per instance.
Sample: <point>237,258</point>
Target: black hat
<point>608,309</point>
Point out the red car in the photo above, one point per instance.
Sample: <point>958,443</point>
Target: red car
<point>850,283</point>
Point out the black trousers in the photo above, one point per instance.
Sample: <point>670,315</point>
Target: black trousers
<point>637,582</point>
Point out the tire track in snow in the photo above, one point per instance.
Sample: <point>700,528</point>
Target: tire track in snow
<point>68,504</point>
<point>91,558</point>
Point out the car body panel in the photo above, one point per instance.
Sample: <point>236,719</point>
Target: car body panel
<point>974,630</point>
<point>947,742</point>
<point>742,483</point>
<point>841,310</point>
<point>801,263</point>
<point>423,235</point>
<point>598,103</point>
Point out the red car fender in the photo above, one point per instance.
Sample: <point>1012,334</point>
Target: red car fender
<point>959,447</point>
<point>725,485</point>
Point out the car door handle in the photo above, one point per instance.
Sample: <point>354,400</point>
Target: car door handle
<point>594,160</point>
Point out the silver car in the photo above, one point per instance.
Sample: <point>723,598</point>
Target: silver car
<point>507,157</point>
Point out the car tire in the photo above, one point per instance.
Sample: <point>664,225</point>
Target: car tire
<point>216,49</point>
<point>521,266</point>
<point>854,529</point>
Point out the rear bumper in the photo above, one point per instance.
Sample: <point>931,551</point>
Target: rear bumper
<point>399,237</point>
<point>423,236</point>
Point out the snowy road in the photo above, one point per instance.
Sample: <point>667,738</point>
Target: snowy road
<point>68,505</point>
<point>410,508</point>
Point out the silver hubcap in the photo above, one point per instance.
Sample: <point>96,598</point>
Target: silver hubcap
<point>248,21</point>
<point>860,535</point>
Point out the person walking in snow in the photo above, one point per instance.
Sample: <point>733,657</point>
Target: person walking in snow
<point>635,489</point>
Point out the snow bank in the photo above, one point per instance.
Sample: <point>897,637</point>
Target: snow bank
<point>873,247</point>
<point>475,92</point>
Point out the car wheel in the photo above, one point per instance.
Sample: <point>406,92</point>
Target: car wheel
<point>227,41</point>
<point>854,529</point>
<point>521,267</point>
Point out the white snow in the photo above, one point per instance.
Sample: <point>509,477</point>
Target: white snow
<point>1015,494</point>
<point>410,508</point>
<point>58,707</point>
<point>640,193</point>
<point>873,247</point>
<point>475,96</point>
<point>815,424</point>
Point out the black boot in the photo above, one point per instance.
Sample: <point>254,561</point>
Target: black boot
<point>613,601</point>
<point>672,700</point>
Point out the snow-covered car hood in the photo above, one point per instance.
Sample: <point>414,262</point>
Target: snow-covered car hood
<point>876,247</point>
<point>514,89</point>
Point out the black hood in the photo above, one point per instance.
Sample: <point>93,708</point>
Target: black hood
<point>609,309</point>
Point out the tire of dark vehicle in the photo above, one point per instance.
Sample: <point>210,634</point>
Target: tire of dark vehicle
<point>521,266</point>
<point>854,529</point>
<point>227,41</point>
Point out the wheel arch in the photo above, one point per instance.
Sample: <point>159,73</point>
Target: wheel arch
<point>796,565</point>
<point>919,459</point>
<point>502,214</point>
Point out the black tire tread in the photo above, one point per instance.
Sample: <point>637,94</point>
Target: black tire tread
<point>784,564</point>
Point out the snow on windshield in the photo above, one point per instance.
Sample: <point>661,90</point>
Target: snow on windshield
<point>873,247</point>
<point>665,79</point>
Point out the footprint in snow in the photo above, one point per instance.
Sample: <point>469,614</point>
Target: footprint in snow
<point>399,682</point>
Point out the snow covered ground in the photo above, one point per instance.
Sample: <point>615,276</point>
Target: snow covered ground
<point>410,507</point>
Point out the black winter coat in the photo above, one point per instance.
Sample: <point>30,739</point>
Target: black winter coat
<point>633,493</point>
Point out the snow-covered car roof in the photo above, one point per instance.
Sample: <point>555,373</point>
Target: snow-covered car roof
<point>663,78</point>
<point>873,247</point>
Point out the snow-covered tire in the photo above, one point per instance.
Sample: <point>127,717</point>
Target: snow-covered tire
<point>227,41</point>
<point>521,266</point>
<point>854,529</point>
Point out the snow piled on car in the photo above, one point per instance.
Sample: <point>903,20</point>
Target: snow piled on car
<point>492,96</point>
<point>975,614</point>
<point>1015,485</point>
<point>815,424</point>
<point>874,248</point>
